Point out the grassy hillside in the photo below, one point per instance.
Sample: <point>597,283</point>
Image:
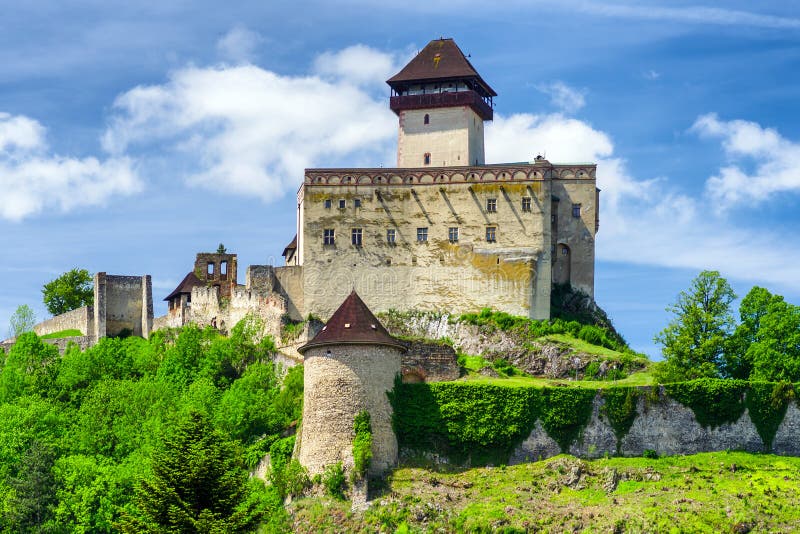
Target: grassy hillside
<point>711,492</point>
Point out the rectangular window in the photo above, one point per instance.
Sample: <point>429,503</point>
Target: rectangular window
<point>452,235</point>
<point>356,236</point>
<point>491,205</point>
<point>391,236</point>
<point>576,210</point>
<point>342,203</point>
<point>422,235</point>
<point>328,237</point>
<point>526,203</point>
<point>327,203</point>
<point>357,203</point>
<point>491,234</point>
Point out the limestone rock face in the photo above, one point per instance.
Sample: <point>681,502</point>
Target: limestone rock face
<point>337,387</point>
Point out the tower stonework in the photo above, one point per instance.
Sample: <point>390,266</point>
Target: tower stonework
<point>348,367</point>
<point>441,102</point>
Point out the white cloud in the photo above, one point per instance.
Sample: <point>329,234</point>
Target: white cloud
<point>239,45</point>
<point>564,97</point>
<point>652,75</point>
<point>650,221</point>
<point>246,130</point>
<point>775,158</point>
<point>33,180</point>
<point>357,64</point>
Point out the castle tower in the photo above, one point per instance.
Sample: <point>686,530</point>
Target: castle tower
<point>348,367</point>
<point>441,102</point>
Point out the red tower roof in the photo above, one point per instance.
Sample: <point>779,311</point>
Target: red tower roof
<point>352,324</point>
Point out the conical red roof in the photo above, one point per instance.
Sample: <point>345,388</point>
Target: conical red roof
<point>352,324</point>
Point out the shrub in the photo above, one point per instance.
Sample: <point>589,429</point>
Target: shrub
<point>650,453</point>
<point>362,444</point>
<point>333,480</point>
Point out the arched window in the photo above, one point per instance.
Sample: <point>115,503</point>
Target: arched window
<point>427,119</point>
<point>427,158</point>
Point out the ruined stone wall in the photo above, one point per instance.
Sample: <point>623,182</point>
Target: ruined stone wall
<point>269,307</point>
<point>123,303</point>
<point>429,362</point>
<point>260,278</point>
<point>79,319</point>
<point>573,259</point>
<point>512,273</point>
<point>664,426</point>
<point>290,285</point>
<point>353,378</point>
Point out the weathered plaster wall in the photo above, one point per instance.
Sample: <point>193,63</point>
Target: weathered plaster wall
<point>453,137</point>
<point>353,378</point>
<point>290,285</point>
<point>80,319</point>
<point>512,273</point>
<point>575,235</point>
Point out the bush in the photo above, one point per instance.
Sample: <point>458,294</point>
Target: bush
<point>362,444</point>
<point>650,453</point>
<point>333,480</point>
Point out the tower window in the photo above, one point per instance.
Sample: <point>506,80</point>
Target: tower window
<point>356,236</point>
<point>452,235</point>
<point>491,205</point>
<point>342,203</point>
<point>427,119</point>
<point>491,234</point>
<point>327,203</point>
<point>357,203</point>
<point>526,203</point>
<point>223,268</point>
<point>422,235</point>
<point>576,210</point>
<point>210,268</point>
<point>328,236</point>
<point>426,159</point>
<point>391,236</point>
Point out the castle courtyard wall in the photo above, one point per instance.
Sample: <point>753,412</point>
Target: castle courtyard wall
<point>81,319</point>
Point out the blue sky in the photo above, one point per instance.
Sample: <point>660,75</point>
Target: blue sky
<point>133,136</point>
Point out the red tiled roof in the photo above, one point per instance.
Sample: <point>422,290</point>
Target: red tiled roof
<point>441,59</point>
<point>353,324</point>
<point>186,285</point>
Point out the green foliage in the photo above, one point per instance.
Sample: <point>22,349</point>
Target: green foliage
<point>30,368</point>
<point>286,475</point>
<point>650,454</point>
<point>61,334</point>
<point>767,404</point>
<point>565,412</point>
<point>22,320</point>
<point>619,407</point>
<point>196,485</point>
<point>333,480</point>
<point>291,330</point>
<point>33,491</point>
<point>695,340</point>
<point>69,291</point>
<point>713,401</point>
<point>362,443</point>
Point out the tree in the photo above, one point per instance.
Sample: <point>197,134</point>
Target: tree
<point>196,485</point>
<point>694,341</point>
<point>69,291</point>
<point>738,356</point>
<point>21,321</point>
<point>34,490</point>
<point>221,249</point>
<point>775,351</point>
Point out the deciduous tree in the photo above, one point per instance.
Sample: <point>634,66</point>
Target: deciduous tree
<point>23,320</point>
<point>69,291</point>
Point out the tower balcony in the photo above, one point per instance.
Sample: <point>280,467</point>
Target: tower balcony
<point>442,100</point>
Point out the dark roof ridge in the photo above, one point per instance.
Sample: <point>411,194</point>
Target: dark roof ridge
<point>189,281</point>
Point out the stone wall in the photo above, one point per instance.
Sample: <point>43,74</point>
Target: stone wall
<point>429,362</point>
<point>122,303</point>
<point>452,136</point>
<point>667,427</point>
<point>79,319</point>
<point>337,387</point>
<point>290,285</point>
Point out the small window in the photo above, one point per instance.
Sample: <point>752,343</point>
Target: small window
<point>327,203</point>
<point>427,119</point>
<point>491,234</point>
<point>223,268</point>
<point>552,218</point>
<point>391,236</point>
<point>576,210</point>
<point>422,235</point>
<point>526,203</point>
<point>357,203</point>
<point>491,205</point>
<point>564,251</point>
<point>356,237</point>
<point>426,159</point>
<point>328,237</point>
<point>210,268</point>
<point>342,203</point>
<point>452,235</point>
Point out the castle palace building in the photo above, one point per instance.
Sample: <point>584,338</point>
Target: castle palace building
<point>444,230</point>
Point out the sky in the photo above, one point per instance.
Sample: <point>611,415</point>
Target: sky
<point>134,135</point>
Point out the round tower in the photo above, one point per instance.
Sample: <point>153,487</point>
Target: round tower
<point>348,367</point>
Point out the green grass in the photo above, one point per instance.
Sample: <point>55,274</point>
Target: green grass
<point>580,345</point>
<point>72,332</point>
<point>709,492</point>
<point>636,379</point>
